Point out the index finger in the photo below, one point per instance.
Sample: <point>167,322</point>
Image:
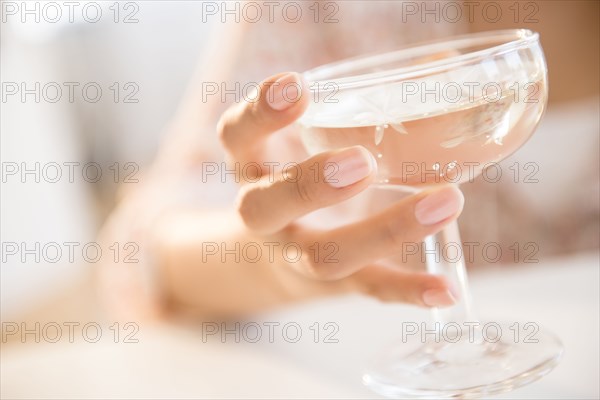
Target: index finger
<point>243,128</point>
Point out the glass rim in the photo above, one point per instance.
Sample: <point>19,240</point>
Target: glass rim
<point>318,81</point>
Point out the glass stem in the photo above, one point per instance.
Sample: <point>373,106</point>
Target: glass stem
<point>444,256</point>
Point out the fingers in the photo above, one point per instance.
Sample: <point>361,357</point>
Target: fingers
<point>320,181</point>
<point>388,233</point>
<point>395,285</point>
<point>244,127</point>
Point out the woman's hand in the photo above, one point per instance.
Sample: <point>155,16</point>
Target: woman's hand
<point>271,206</point>
<point>202,261</point>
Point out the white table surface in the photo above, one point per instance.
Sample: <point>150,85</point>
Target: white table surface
<point>169,361</point>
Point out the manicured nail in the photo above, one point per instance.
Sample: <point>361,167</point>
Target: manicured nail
<point>438,298</point>
<point>439,205</point>
<point>284,92</point>
<point>349,166</point>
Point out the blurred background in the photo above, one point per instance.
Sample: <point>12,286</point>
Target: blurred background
<point>147,56</point>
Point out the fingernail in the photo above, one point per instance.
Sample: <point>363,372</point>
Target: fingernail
<point>284,92</point>
<point>438,298</point>
<point>348,167</point>
<point>439,205</point>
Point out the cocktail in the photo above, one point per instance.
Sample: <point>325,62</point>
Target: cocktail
<point>431,114</point>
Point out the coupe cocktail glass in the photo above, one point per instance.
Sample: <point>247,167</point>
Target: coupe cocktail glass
<point>433,114</point>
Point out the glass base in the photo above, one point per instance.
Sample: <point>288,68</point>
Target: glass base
<point>464,364</point>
